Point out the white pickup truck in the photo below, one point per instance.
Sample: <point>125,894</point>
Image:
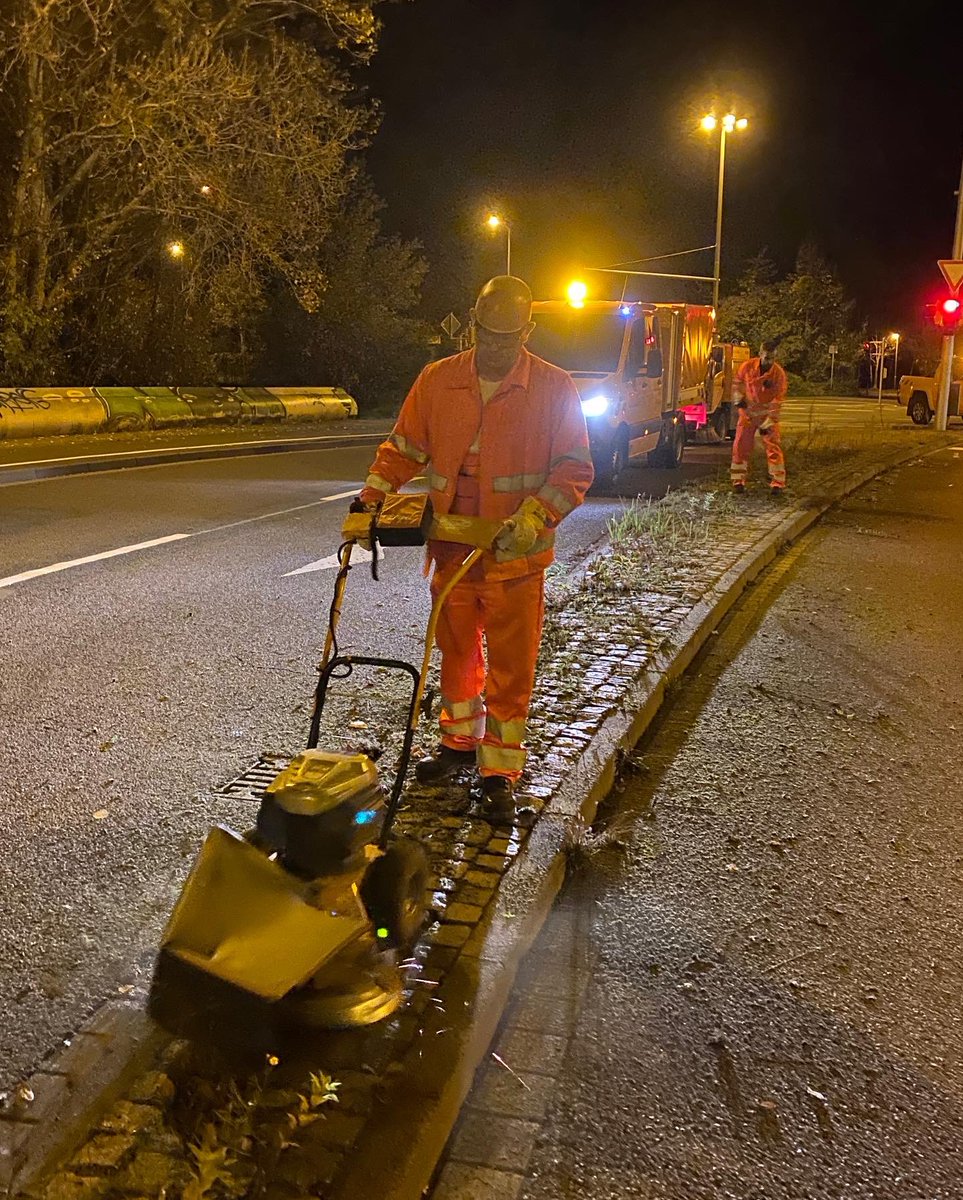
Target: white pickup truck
<point>918,393</point>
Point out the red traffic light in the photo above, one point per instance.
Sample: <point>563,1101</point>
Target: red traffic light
<point>946,314</point>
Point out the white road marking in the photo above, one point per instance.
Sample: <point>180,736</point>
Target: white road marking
<point>281,512</point>
<point>10,580</point>
<point>330,563</point>
<point>54,568</point>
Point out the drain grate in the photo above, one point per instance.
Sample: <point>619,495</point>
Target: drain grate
<point>251,783</point>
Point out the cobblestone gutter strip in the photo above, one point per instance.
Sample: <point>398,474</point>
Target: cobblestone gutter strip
<point>402,1083</point>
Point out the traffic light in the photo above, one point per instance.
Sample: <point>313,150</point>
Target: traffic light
<point>946,314</point>
<point>951,313</point>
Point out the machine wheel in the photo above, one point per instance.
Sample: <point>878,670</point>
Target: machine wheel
<point>393,891</point>
<point>607,472</point>
<point>671,447</point>
<point>719,422</point>
<point>919,409</point>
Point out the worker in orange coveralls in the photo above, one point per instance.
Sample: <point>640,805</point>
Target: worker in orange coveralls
<point>761,387</point>
<point>499,434</point>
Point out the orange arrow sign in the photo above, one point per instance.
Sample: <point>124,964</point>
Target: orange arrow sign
<point>952,269</point>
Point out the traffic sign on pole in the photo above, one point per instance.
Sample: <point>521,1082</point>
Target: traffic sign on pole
<point>451,324</point>
<point>952,269</point>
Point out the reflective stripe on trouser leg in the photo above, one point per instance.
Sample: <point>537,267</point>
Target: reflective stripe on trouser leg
<point>775,460</point>
<point>462,722</point>
<point>459,638</point>
<point>512,614</point>
<point>742,449</point>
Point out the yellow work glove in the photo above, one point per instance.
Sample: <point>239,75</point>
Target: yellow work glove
<point>521,531</point>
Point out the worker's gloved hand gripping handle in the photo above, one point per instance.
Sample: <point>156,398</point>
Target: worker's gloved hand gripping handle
<point>520,532</point>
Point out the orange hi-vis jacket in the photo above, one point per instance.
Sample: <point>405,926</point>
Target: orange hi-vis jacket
<point>764,392</point>
<point>531,441</point>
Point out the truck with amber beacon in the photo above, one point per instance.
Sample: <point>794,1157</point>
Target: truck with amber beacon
<point>638,366</point>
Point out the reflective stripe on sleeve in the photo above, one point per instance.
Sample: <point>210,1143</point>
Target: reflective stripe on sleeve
<point>517,483</point>
<point>437,483</point>
<point>580,454</point>
<point>379,482</point>
<point>556,499</point>
<point>408,449</point>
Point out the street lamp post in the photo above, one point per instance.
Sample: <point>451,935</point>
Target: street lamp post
<point>728,123</point>
<point>894,338</point>
<point>496,222</point>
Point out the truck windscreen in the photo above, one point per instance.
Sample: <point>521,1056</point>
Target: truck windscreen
<point>578,341</point>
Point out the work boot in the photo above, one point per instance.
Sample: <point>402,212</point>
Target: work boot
<point>444,763</point>
<point>498,799</point>
<point>776,491</point>
<point>739,489</point>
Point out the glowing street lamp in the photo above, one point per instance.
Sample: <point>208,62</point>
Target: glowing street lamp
<point>496,222</point>
<point>175,249</point>
<point>577,291</point>
<point>894,338</point>
<point>710,123</point>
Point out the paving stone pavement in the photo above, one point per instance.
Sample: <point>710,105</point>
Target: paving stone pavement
<point>142,1144</point>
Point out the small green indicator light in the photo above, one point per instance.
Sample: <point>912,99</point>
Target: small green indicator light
<point>382,932</point>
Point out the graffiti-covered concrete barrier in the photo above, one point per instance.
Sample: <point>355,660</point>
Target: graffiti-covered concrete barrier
<point>41,412</point>
<point>37,412</point>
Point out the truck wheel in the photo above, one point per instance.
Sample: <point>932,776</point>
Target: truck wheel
<point>719,422</point>
<point>671,447</point>
<point>393,891</point>
<point>608,470</point>
<point>919,409</point>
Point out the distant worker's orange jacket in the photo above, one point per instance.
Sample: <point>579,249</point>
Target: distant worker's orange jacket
<point>764,392</point>
<point>532,441</point>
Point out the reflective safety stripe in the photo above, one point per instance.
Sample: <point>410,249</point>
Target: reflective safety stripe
<point>408,449</point>
<point>500,760</point>
<point>437,483</point>
<point>517,483</point>
<point>464,718</point>
<point>580,454</point>
<point>559,502</point>
<point>379,482</point>
<point>738,470</point>
<point>509,733</point>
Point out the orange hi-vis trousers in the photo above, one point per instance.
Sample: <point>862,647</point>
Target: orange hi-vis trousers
<point>486,711</point>
<point>742,451</point>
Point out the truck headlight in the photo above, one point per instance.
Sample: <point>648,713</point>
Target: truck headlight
<point>595,406</point>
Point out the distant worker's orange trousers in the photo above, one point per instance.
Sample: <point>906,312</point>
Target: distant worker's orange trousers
<point>487,710</point>
<point>742,451</point>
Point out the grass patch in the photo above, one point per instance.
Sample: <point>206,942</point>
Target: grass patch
<point>659,546</point>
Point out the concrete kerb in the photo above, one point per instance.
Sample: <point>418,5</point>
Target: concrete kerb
<point>396,1154</point>
<point>123,460</point>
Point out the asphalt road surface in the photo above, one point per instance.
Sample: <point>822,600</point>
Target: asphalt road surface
<point>757,967</point>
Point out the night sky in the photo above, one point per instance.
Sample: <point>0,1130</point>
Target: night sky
<point>579,122</point>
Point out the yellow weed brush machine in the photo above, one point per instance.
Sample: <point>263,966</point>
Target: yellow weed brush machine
<point>309,915</point>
